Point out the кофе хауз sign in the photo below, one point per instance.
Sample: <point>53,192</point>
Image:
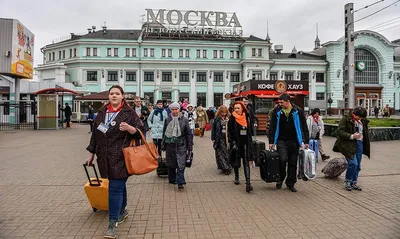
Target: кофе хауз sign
<point>193,21</point>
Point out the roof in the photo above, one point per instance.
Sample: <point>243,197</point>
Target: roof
<point>318,52</point>
<point>299,55</point>
<point>254,38</point>
<point>127,34</point>
<point>56,91</point>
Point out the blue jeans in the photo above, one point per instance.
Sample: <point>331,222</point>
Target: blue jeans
<point>354,164</point>
<point>117,198</point>
<point>177,175</point>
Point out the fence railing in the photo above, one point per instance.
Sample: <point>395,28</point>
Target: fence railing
<point>18,115</point>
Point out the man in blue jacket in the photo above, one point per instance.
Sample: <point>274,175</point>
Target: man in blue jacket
<point>288,131</point>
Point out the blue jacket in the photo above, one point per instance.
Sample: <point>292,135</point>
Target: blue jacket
<point>302,135</point>
<point>156,124</point>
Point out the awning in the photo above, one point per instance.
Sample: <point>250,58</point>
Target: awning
<point>270,96</point>
<point>55,91</point>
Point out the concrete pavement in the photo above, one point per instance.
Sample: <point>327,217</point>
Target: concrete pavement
<point>42,196</point>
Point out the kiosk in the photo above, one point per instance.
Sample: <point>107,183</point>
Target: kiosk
<point>262,93</point>
<point>49,105</point>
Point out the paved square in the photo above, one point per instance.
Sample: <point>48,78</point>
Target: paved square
<point>42,196</point>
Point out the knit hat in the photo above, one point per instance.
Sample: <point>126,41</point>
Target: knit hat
<point>174,105</point>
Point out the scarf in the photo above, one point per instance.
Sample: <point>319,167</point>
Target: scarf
<point>355,120</point>
<point>287,111</point>
<point>241,119</point>
<point>173,131</point>
<point>316,119</point>
<point>111,110</point>
<point>157,110</point>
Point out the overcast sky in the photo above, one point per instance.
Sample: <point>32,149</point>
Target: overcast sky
<point>291,22</point>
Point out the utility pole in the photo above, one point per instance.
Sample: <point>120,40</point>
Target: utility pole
<point>348,76</point>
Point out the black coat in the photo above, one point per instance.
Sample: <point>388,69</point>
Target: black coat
<point>108,147</point>
<point>233,138</point>
<point>145,112</point>
<point>216,132</point>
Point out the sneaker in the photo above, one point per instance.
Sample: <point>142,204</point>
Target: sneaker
<point>180,187</point>
<point>292,189</point>
<point>111,230</point>
<point>123,216</point>
<point>279,185</point>
<point>356,187</point>
<point>347,186</point>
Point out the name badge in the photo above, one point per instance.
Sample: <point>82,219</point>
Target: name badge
<point>223,131</point>
<point>243,132</point>
<point>103,128</point>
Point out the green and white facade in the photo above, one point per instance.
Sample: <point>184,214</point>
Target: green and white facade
<point>173,66</point>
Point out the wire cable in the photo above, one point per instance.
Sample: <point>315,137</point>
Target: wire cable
<point>383,23</point>
<point>376,12</point>
<point>368,6</point>
<point>388,28</point>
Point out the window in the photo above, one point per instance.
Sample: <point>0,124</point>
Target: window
<point>273,76</point>
<point>63,54</point>
<point>256,75</point>
<point>130,76</point>
<point>288,76</point>
<point>304,76</point>
<point>150,96</point>
<point>253,52</point>
<point>202,99</point>
<point>180,52</point>
<point>218,99</point>
<point>145,52</point>
<point>59,55</point>
<point>94,51</point>
<point>232,54</point>
<point>320,77</point>
<point>166,77</point>
<point>163,53</point>
<point>70,53</point>
<point>259,52</point>
<point>108,51</point>
<point>133,52</point>
<point>237,54</point>
<point>204,53</point>
<point>87,51</point>
<point>148,76</point>
<point>169,52</point>
<point>183,76</point>
<point>113,76</point>
<point>201,77</point>
<point>198,53</point>
<point>91,76</point>
<point>127,52</point>
<point>221,54</point>
<point>215,54</point>
<point>115,52</point>
<point>49,57</point>
<point>235,77</point>
<point>218,77</point>
<point>74,52</point>
<point>166,95</point>
<point>152,52</point>
<point>187,53</point>
<point>320,96</point>
<point>370,73</point>
<point>54,56</point>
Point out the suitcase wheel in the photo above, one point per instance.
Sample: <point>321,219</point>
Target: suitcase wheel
<point>94,209</point>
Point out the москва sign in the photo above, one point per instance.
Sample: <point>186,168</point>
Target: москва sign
<point>195,21</point>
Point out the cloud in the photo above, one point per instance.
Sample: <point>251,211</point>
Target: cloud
<point>291,22</point>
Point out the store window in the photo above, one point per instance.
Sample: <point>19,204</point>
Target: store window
<point>202,99</point>
<point>166,96</point>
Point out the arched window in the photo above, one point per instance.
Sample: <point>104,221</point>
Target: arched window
<point>367,68</point>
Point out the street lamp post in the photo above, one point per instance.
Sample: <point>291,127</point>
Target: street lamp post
<point>330,101</point>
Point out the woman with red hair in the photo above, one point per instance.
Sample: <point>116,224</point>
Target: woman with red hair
<point>240,140</point>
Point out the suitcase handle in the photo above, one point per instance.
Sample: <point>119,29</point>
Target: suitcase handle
<point>95,172</point>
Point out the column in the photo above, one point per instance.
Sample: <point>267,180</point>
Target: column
<point>192,93</point>
<point>121,80</point>
<point>102,80</point>
<point>296,75</point>
<point>210,91</point>
<point>80,76</point>
<point>175,77</point>
<point>280,75</point>
<point>156,95</point>
<point>176,95</point>
<point>227,88</point>
<point>313,87</point>
<point>157,77</point>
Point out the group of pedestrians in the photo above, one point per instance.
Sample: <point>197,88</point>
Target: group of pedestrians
<point>172,130</point>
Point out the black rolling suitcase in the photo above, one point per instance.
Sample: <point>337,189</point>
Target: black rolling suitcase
<point>162,169</point>
<point>269,165</point>
<point>258,146</point>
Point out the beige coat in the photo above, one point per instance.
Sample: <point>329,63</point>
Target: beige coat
<point>202,118</point>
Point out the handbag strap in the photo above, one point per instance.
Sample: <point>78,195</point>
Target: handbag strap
<point>144,142</point>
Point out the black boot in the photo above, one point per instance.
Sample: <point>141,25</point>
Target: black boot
<point>247,176</point>
<point>202,132</point>
<point>236,176</point>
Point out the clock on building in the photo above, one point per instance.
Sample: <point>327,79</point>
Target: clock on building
<point>361,66</point>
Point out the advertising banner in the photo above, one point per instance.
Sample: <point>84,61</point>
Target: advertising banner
<point>22,51</point>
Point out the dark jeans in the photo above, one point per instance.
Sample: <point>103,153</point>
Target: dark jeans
<point>176,175</point>
<point>157,142</point>
<point>91,125</point>
<point>67,120</point>
<point>354,164</point>
<point>288,154</point>
<point>117,198</point>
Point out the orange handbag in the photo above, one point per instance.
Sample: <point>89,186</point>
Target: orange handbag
<point>140,159</point>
